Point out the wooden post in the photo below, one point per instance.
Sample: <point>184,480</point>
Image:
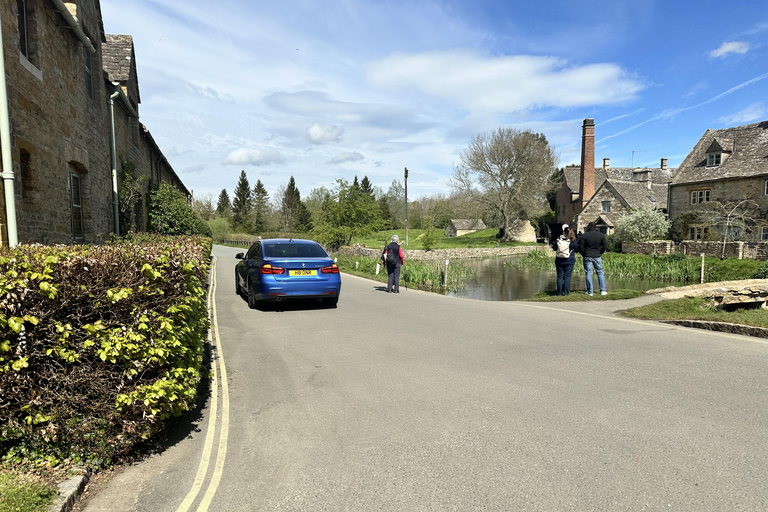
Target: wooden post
<point>702,268</point>
<point>445,285</point>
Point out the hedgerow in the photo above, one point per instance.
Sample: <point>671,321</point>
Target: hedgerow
<point>99,345</point>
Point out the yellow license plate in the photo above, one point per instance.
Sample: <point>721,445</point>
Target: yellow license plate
<point>301,272</point>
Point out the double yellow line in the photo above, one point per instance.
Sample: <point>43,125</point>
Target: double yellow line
<point>221,375</point>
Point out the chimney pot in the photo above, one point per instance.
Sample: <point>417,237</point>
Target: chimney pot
<point>606,162</point>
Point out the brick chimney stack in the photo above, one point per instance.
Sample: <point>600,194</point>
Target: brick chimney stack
<point>587,185</point>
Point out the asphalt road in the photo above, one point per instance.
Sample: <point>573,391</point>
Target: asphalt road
<point>416,401</point>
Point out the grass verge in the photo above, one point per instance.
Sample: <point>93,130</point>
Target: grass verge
<point>696,308</point>
<point>24,493</point>
<point>580,296</point>
<point>482,238</point>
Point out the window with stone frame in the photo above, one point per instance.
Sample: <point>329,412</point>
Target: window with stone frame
<point>77,205</point>
<point>606,206</point>
<point>27,25</point>
<point>88,58</point>
<point>764,233</point>
<point>700,196</point>
<point>713,159</point>
<point>698,232</point>
<point>26,174</point>
<point>765,188</point>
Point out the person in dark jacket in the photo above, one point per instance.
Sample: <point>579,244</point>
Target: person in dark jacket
<point>393,269</point>
<point>565,259</point>
<point>591,247</point>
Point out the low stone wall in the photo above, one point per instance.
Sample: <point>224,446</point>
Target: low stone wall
<point>447,254</point>
<point>713,249</point>
<point>650,247</point>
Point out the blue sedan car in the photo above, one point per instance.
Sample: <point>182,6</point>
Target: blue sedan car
<point>280,269</point>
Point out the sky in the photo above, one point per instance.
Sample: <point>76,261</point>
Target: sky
<point>325,90</point>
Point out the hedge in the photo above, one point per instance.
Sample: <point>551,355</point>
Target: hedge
<point>99,345</point>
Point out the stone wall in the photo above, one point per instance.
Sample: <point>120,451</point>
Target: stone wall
<point>443,254</point>
<point>712,249</point>
<point>650,247</point>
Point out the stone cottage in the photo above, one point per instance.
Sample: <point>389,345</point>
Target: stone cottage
<point>64,78</point>
<point>603,195</point>
<point>458,227</point>
<point>723,182</point>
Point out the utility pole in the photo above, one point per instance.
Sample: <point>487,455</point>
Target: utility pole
<point>406,207</point>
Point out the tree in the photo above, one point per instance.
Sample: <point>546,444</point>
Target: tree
<point>170,214</point>
<point>260,207</point>
<point>642,225</point>
<point>242,205</point>
<point>509,170</point>
<point>203,206</point>
<point>224,205</point>
<point>366,187</point>
<point>395,197</point>
<point>734,218</point>
<point>294,214</point>
<point>347,213</point>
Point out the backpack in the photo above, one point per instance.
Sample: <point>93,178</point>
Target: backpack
<point>563,248</point>
<point>391,256</point>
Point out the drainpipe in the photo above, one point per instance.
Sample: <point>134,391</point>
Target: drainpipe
<point>5,147</point>
<point>113,150</point>
<point>74,25</point>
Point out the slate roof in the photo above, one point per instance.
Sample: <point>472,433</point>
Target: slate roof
<point>658,175</point>
<point>749,157</point>
<point>466,224</point>
<point>637,195</point>
<point>117,59</point>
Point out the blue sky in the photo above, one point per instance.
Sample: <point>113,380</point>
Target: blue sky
<point>332,89</point>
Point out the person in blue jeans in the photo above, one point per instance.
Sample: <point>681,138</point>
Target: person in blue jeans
<point>565,259</point>
<point>591,247</point>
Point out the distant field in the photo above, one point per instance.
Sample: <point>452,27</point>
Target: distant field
<point>483,238</point>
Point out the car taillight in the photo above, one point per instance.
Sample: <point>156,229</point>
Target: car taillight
<point>269,269</point>
<point>333,269</point>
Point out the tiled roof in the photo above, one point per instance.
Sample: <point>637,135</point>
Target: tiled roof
<point>465,224</point>
<point>749,156</point>
<point>658,175</point>
<point>637,195</point>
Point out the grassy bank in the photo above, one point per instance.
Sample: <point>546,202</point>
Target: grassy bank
<point>423,275</point>
<point>24,493</point>
<point>579,296</point>
<point>697,309</point>
<point>675,267</point>
<point>482,238</point>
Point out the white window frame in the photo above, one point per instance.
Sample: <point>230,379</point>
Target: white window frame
<point>714,159</point>
<point>76,202</point>
<point>701,196</point>
<point>605,206</point>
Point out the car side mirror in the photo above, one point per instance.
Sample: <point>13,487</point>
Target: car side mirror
<point>239,256</point>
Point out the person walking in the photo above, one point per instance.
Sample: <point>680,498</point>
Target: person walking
<point>393,258</point>
<point>565,259</point>
<point>591,247</point>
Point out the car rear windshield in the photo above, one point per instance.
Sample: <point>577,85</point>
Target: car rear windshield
<point>293,250</point>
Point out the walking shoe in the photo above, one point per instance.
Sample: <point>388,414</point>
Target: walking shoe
<point>603,292</point>
<point>589,294</point>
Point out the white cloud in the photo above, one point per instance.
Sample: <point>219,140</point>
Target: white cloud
<point>506,84</point>
<point>754,112</point>
<point>342,158</point>
<point>729,47</point>
<point>257,157</point>
<point>323,134</point>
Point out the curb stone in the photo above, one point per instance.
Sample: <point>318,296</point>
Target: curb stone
<point>69,491</point>
<point>746,330</point>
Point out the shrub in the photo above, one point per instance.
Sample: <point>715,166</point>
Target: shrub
<point>220,229</point>
<point>94,360</point>
<point>170,214</point>
<point>642,225</point>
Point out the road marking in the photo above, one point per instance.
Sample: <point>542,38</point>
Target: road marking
<point>221,455</point>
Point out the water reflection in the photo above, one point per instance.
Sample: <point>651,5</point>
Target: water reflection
<point>497,281</point>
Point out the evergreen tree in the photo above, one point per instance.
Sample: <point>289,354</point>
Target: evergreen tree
<point>294,215</point>
<point>224,205</point>
<point>366,187</point>
<point>242,205</point>
<point>260,207</point>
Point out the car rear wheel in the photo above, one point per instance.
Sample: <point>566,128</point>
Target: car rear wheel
<point>252,302</point>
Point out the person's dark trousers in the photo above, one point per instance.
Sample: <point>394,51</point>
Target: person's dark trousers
<point>393,278</point>
<point>564,271</point>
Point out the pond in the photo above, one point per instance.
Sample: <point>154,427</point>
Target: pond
<point>497,280</point>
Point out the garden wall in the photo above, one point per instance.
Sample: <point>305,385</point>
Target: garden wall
<point>443,254</point>
<point>650,247</point>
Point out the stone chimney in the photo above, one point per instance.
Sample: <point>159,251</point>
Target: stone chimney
<point>663,164</point>
<point>606,163</point>
<point>587,185</point>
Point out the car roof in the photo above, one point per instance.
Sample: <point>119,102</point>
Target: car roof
<point>288,240</point>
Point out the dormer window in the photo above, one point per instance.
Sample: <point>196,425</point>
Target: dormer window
<point>718,151</point>
<point>714,159</point>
